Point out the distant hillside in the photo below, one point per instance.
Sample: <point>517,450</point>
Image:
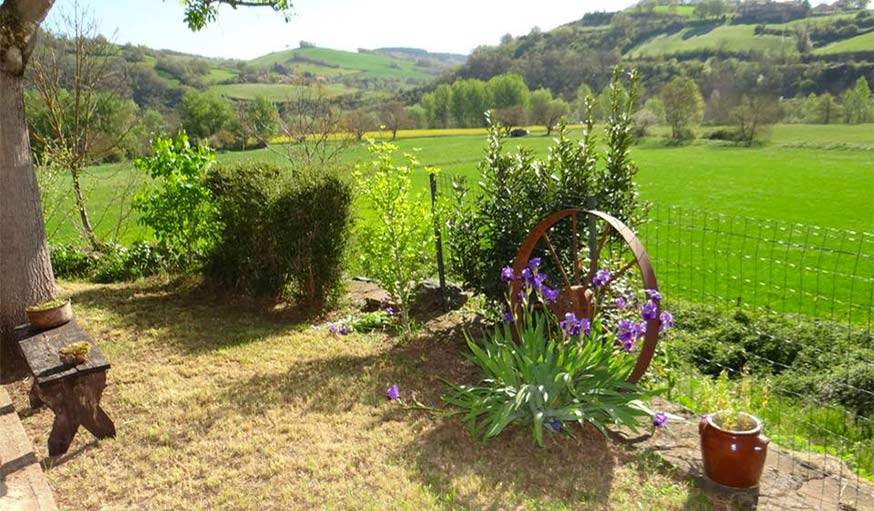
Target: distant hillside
<point>159,77</point>
<point>418,53</point>
<point>342,64</point>
<point>818,50</point>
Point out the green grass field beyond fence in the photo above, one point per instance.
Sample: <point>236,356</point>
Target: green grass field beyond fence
<point>819,175</point>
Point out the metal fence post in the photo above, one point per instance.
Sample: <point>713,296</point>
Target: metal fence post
<point>438,239</point>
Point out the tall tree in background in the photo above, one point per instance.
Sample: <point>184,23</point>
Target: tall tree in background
<point>394,116</point>
<point>546,110</point>
<point>25,268</point>
<point>858,107</point>
<point>684,106</point>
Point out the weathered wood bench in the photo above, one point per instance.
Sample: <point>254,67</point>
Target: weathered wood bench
<point>72,392</point>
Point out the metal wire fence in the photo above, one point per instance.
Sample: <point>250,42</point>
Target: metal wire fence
<point>818,279</point>
<point>817,285</point>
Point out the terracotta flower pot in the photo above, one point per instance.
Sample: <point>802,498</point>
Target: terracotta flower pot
<point>733,458</point>
<point>47,318</point>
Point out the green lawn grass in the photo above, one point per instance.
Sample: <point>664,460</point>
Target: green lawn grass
<point>723,37</point>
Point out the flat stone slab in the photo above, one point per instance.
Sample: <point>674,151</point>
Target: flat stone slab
<point>791,480</point>
<point>23,486</point>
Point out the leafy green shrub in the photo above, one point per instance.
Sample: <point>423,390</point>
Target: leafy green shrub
<point>118,263</point>
<point>311,221</point>
<point>396,246</point>
<point>245,256</point>
<point>180,210</point>
<point>853,388</point>
<point>282,234</point>
<point>804,358</point>
<point>114,264</point>
<point>728,134</point>
<point>539,371</point>
<point>68,261</point>
<point>518,191</point>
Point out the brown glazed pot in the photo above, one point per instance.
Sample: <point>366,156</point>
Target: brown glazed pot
<point>50,318</point>
<point>733,458</point>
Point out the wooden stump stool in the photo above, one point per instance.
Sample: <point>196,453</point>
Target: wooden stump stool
<point>72,392</point>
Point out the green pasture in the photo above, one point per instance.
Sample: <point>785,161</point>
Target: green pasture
<point>721,37</point>
<point>861,42</point>
<point>792,179</point>
<point>276,92</point>
<point>365,65</point>
<point>813,22</point>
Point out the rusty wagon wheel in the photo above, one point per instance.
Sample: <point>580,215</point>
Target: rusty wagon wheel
<point>572,262</point>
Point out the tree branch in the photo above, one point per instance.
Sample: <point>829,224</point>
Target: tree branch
<point>19,24</point>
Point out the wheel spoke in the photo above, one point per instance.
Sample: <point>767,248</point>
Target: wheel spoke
<point>618,274</point>
<point>593,266</point>
<point>557,260</point>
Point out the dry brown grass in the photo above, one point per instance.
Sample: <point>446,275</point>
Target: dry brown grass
<point>220,405</point>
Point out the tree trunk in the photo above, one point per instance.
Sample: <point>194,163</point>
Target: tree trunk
<point>25,268</point>
<point>83,211</point>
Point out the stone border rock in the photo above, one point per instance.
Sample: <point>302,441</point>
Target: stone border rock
<point>23,486</point>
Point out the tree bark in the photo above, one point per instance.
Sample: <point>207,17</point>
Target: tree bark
<point>25,267</point>
<point>83,211</point>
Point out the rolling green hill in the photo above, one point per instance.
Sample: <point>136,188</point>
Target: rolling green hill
<point>330,63</point>
<point>860,43</point>
<point>732,38</point>
<point>799,52</point>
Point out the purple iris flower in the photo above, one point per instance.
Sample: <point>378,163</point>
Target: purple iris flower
<point>653,295</point>
<point>549,295</point>
<point>555,424</point>
<point>667,321</point>
<point>508,317</point>
<point>343,330</point>
<point>628,345</point>
<point>626,330</point>
<point>390,311</point>
<point>620,303</point>
<point>569,324</point>
<point>649,311</point>
<point>639,329</point>
<point>527,276</point>
<point>574,326</point>
<point>534,263</point>
<point>393,393</point>
<point>586,326</point>
<point>332,328</point>
<point>507,274</point>
<point>660,420</point>
<point>601,278</point>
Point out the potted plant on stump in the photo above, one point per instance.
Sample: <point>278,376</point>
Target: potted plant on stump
<point>733,447</point>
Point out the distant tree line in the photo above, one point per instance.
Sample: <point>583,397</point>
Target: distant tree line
<point>465,102</point>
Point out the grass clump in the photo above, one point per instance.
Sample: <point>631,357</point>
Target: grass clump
<point>51,304</point>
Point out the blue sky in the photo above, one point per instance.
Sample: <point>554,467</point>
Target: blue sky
<point>455,26</point>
